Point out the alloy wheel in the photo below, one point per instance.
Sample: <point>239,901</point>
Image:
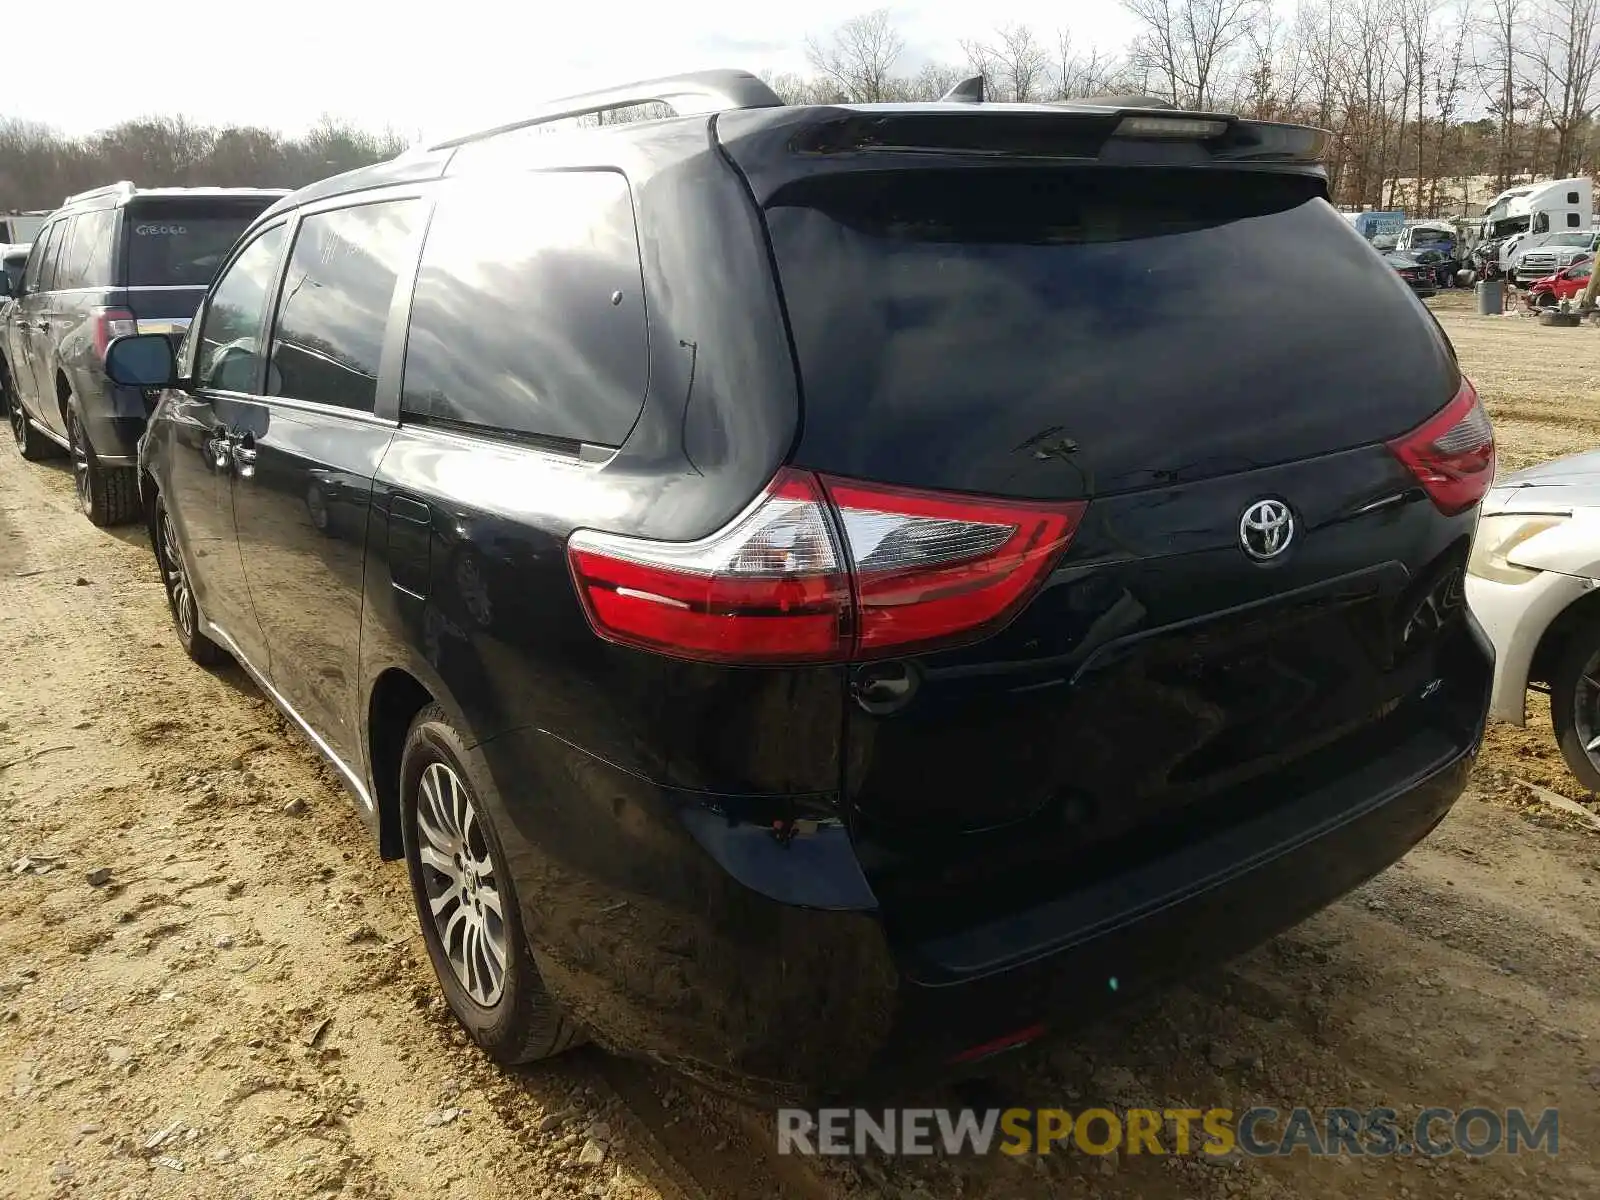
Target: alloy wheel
<point>462,884</point>
<point>80,463</point>
<point>1586,708</point>
<point>179,593</point>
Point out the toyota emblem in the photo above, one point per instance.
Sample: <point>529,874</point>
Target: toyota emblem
<point>1266,529</point>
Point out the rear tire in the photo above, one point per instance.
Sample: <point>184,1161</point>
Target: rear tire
<point>106,495</point>
<point>459,880</point>
<point>180,591</point>
<point>1575,704</point>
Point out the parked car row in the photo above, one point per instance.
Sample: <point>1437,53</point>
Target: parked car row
<point>109,262</point>
<point>804,600</point>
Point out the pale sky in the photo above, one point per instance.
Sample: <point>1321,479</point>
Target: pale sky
<point>444,67</point>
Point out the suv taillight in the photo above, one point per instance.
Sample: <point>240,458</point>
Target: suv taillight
<point>1452,453</point>
<point>824,569</point>
<point>110,324</point>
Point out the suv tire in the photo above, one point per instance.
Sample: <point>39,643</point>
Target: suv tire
<point>181,603</point>
<point>443,814</point>
<point>106,495</point>
<point>31,444</point>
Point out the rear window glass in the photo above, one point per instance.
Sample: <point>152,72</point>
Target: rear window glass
<point>1155,324</point>
<point>182,245</point>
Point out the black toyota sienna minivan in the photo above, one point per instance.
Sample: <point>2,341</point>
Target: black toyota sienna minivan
<point>820,593</point>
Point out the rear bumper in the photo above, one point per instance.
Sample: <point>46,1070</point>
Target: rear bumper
<point>115,437</point>
<point>675,926</point>
<point>1515,617</point>
<point>1196,910</point>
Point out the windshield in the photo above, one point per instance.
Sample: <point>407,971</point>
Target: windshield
<point>1570,239</point>
<point>1431,237</point>
<point>178,245</point>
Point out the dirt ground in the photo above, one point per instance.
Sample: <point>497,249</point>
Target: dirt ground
<point>242,1009</point>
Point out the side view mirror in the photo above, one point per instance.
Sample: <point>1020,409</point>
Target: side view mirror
<point>143,360</point>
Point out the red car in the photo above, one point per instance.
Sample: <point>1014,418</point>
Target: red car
<point>1564,285</point>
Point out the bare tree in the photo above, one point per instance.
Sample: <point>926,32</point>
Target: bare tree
<point>1015,63</point>
<point>1190,44</point>
<point>39,167</point>
<point>1563,55</point>
<point>1092,73</point>
<point>1503,27</point>
<point>860,57</point>
<point>1448,86</point>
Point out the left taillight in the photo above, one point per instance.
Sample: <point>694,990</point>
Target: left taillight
<point>823,569</point>
<point>1452,453</point>
<point>771,586</point>
<point>110,324</point>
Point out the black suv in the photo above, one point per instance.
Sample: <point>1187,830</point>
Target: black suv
<point>819,592</point>
<point>109,262</point>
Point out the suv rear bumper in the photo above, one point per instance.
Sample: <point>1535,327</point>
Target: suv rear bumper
<point>115,435</point>
<point>665,942</point>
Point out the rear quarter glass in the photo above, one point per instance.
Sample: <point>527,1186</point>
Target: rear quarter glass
<point>1068,332</point>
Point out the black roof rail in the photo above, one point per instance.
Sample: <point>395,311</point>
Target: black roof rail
<point>696,92</point>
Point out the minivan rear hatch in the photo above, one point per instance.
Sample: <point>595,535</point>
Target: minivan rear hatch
<point>1173,339</point>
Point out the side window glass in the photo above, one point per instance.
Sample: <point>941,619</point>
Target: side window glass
<point>50,275</point>
<point>85,261</point>
<point>327,336</point>
<point>1572,221</point>
<point>534,325</point>
<point>1541,223</point>
<point>229,353</point>
<point>42,248</point>
<point>86,257</point>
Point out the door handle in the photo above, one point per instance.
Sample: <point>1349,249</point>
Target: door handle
<point>219,446</point>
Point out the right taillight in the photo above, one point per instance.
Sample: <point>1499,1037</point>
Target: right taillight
<point>1452,453</point>
<point>824,570</point>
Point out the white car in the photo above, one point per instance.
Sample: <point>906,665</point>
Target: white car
<point>1533,582</point>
